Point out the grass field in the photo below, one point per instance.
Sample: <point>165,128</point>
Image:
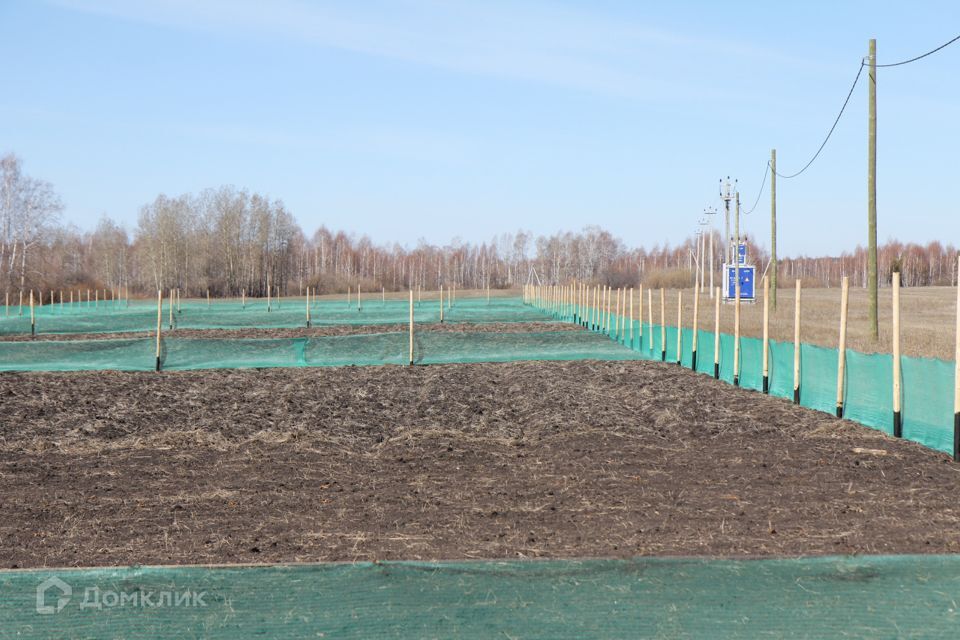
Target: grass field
<point>927,316</point>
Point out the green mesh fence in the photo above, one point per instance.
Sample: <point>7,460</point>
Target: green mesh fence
<point>927,384</point>
<point>360,349</point>
<point>142,316</point>
<point>826,597</point>
<point>927,390</point>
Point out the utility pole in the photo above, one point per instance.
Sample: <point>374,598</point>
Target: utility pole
<point>773,228</point>
<point>710,211</point>
<point>736,250</point>
<point>727,196</point>
<point>703,253</point>
<point>872,188</point>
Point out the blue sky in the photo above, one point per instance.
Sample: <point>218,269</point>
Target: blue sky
<point>442,119</point>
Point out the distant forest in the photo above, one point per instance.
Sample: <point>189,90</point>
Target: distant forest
<point>229,240</point>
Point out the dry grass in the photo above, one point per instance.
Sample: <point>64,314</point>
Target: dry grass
<point>927,317</point>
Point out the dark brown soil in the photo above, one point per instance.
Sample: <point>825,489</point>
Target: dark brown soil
<point>300,332</point>
<point>454,461</point>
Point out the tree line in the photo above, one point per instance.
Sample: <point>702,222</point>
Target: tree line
<point>227,240</point>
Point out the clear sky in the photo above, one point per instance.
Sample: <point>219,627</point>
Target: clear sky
<point>441,119</point>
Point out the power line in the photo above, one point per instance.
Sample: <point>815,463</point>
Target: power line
<point>829,133</point>
<point>928,53</point>
<point>762,184</point>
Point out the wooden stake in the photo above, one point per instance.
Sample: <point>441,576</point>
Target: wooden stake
<point>243,298</point>
<point>956,377</point>
<point>736,332</point>
<point>696,325</point>
<point>6,303</point>
<point>897,424</point>
<point>623,315</point>
<point>640,316</point>
<point>208,297</point>
<point>308,307</point>
<point>631,319</point>
<point>20,304</point>
<point>842,349</point>
<point>33,326</point>
<point>796,345</point>
<point>716,334</point>
<point>159,323</point>
<point>594,308</point>
<point>411,327</point>
<point>171,309</point>
<point>179,309</point>
<point>766,334</point>
<point>679,326</point>
<point>269,293</point>
<point>650,319</point>
<point>616,318</point>
<point>663,325</point>
<point>441,304</point>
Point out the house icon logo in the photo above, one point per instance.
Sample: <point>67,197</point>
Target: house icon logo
<point>61,590</point>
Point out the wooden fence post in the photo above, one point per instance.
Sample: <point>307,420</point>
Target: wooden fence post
<point>308,307</point>
<point>663,325</point>
<point>159,323</point>
<point>33,326</point>
<point>631,318</point>
<point>616,318</point>
<point>796,346</point>
<point>640,316</point>
<point>650,319</point>
<point>171,309</point>
<point>696,325</point>
<point>716,335</point>
<point>736,335</point>
<point>766,334</point>
<point>842,349</point>
<point>441,304</point>
<point>679,326</point>
<point>956,378</point>
<point>897,424</point>
<point>411,327</point>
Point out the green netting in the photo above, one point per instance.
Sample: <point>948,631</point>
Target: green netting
<point>825,597</point>
<point>142,316</point>
<point>818,378</point>
<point>781,369</point>
<point>361,349</point>
<point>928,402</point>
<point>927,384</point>
<point>927,389</point>
<point>868,392</point>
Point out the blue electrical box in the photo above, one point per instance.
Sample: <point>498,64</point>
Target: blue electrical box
<point>742,253</point>
<point>747,276</point>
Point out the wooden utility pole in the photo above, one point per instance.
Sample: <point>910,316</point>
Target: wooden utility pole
<point>773,229</point>
<point>872,188</point>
